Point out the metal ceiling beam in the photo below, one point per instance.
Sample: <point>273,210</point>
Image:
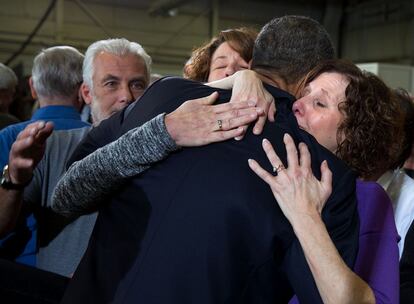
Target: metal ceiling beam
<point>94,18</point>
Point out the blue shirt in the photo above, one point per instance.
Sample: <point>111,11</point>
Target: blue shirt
<point>63,117</point>
<point>21,244</point>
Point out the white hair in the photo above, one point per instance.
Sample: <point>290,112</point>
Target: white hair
<point>57,72</point>
<point>8,79</point>
<point>118,47</point>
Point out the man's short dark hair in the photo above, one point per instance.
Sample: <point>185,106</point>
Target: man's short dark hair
<point>291,46</point>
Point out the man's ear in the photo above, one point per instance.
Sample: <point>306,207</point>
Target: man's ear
<point>86,93</point>
<point>250,64</point>
<point>32,89</point>
<point>78,101</point>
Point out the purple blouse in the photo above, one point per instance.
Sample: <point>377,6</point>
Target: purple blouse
<point>377,260</point>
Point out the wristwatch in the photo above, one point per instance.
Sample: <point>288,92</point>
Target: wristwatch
<point>7,184</point>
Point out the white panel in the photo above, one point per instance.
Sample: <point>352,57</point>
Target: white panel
<point>394,75</point>
<point>369,67</point>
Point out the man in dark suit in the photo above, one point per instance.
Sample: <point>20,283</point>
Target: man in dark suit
<point>200,227</point>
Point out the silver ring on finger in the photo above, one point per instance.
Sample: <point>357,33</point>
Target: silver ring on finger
<point>220,124</point>
<point>278,168</point>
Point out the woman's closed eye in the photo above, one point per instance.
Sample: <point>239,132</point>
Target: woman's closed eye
<point>320,104</point>
<point>219,67</point>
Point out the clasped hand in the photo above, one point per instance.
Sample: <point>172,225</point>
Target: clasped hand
<point>198,122</point>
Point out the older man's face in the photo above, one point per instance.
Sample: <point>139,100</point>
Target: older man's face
<point>117,81</point>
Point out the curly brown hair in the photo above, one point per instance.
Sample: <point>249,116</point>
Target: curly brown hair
<point>240,39</point>
<point>370,136</point>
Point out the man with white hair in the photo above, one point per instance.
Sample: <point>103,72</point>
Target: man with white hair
<point>8,83</point>
<point>115,73</point>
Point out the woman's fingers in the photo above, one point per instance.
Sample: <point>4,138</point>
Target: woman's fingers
<point>297,190</point>
<point>266,105</point>
<point>272,112</point>
<point>225,135</point>
<point>326,177</point>
<point>262,173</point>
<point>234,118</point>
<point>259,125</point>
<point>305,158</point>
<point>238,121</point>
<point>233,113</point>
<point>197,122</point>
<point>210,99</point>
<point>273,158</point>
<point>226,107</point>
<point>218,136</point>
<point>291,152</point>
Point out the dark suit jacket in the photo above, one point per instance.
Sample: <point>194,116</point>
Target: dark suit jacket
<point>200,226</point>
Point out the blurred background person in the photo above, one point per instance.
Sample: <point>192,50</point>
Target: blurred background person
<point>55,82</point>
<point>399,186</point>
<point>8,83</point>
<point>409,164</point>
<point>24,105</point>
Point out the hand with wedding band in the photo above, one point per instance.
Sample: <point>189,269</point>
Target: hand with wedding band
<point>198,122</point>
<point>298,192</point>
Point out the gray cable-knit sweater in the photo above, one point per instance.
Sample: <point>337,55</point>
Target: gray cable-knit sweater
<point>89,180</point>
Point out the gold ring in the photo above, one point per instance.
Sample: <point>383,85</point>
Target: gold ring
<point>220,124</point>
<point>278,168</point>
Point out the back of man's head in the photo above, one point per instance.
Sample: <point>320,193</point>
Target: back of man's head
<point>57,73</point>
<point>290,46</point>
<point>8,79</point>
<point>118,47</point>
<point>8,83</point>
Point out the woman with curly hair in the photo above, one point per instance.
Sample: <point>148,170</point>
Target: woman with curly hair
<point>369,121</point>
<point>358,118</point>
<point>230,51</point>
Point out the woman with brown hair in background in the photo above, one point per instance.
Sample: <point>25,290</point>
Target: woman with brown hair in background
<point>230,51</point>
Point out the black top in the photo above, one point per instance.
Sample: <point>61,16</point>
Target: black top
<point>407,268</point>
<point>200,226</point>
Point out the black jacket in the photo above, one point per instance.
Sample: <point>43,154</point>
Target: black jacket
<point>200,226</point>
